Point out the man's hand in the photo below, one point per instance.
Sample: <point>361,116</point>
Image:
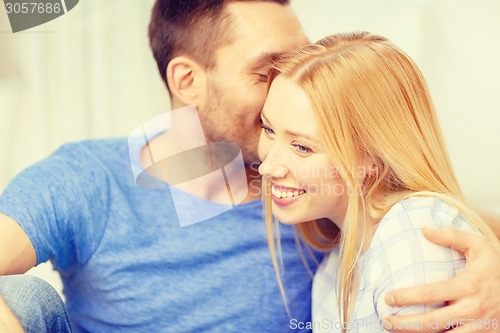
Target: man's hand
<point>473,295</point>
<point>8,321</point>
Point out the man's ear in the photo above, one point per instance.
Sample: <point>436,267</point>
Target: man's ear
<point>186,79</point>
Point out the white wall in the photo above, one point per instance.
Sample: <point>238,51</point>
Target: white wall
<point>87,74</point>
<point>90,74</point>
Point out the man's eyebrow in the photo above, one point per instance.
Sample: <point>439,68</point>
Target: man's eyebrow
<point>266,59</point>
<point>293,133</point>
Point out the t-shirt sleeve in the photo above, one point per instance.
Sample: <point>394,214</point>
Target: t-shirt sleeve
<point>403,257</point>
<point>61,203</point>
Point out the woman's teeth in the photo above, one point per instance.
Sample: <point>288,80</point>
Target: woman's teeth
<point>286,194</point>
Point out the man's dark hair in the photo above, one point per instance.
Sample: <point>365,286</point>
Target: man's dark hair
<point>195,28</point>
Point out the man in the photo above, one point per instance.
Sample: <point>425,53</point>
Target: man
<point>126,263</point>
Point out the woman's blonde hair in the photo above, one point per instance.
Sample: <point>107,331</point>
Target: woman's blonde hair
<point>371,101</point>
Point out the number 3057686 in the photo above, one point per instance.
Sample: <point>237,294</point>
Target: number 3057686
<point>33,7</point>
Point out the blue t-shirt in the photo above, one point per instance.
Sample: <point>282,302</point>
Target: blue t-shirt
<point>128,265</point>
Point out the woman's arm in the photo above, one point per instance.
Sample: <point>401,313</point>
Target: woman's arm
<point>472,295</point>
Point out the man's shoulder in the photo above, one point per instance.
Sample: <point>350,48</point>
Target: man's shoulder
<point>97,147</point>
<point>88,157</point>
<point>107,151</point>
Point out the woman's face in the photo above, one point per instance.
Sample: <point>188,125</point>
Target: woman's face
<point>305,184</point>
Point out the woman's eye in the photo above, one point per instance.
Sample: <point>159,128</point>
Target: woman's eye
<point>267,129</point>
<point>302,149</point>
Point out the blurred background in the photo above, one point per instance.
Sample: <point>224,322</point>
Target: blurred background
<point>90,74</point>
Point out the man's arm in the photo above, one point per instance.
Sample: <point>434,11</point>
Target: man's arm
<point>472,295</point>
<point>8,322</point>
<point>17,254</point>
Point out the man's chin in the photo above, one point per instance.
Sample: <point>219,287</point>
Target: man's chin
<point>250,158</point>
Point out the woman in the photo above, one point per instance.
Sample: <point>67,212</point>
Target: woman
<point>350,137</point>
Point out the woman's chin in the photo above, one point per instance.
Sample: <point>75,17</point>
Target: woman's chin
<point>287,220</point>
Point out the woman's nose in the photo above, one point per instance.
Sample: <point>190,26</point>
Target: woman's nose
<point>272,171</point>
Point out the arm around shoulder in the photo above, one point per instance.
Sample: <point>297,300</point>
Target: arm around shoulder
<point>404,258</point>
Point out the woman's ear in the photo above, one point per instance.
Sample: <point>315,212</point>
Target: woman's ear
<point>371,171</point>
<point>186,80</point>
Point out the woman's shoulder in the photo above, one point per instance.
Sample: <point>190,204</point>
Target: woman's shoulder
<point>400,256</point>
<point>417,212</point>
<point>400,253</point>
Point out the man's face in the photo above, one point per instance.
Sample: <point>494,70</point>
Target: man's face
<point>236,87</point>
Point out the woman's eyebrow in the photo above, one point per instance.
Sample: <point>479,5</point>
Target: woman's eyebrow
<point>303,135</point>
<point>263,116</point>
<point>293,133</point>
